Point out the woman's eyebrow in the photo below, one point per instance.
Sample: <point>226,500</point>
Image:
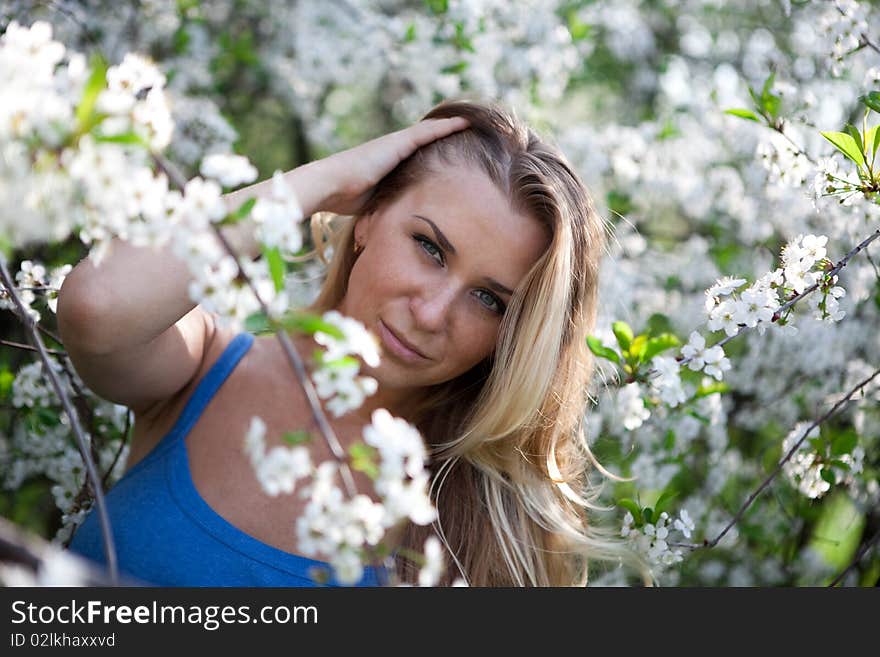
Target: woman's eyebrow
<point>498,287</point>
<point>446,244</point>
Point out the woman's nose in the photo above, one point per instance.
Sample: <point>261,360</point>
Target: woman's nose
<point>432,306</point>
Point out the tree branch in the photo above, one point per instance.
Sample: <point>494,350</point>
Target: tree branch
<point>292,354</point>
<point>867,546</point>
<point>832,411</point>
<point>27,347</point>
<point>91,470</point>
<point>791,302</point>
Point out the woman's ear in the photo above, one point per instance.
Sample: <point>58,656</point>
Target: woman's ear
<point>362,229</point>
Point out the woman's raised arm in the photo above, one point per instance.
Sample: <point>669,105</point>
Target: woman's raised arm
<point>128,323</point>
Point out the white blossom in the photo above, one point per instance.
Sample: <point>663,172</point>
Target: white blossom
<point>668,383</point>
<point>278,217</point>
<point>430,573</point>
<point>356,340</point>
<point>684,523</point>
<point>631,406</point>
<point>229,170</point>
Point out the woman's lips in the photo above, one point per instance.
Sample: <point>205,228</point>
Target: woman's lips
<point>397,347</point>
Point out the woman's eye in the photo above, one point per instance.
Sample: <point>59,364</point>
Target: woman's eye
<point>430,248</point>
<point>491,302</point>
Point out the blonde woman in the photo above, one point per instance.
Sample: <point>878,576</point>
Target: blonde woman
<point>472,252</point>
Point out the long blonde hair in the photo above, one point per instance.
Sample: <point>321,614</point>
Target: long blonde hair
<point>510,460</point>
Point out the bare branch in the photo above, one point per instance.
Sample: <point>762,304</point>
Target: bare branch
<point>864,549</point>
<point>91,470</point>
<point>831,412</point>
<point>293,356</point>
<point>27,347</point>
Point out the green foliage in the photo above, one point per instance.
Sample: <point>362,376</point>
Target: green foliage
<point>767,104</point>
<point>239,213</point>
<point>838,530</point>
<point>744,114</point>
<point>299,437</point>
<point>871,100</point>
<point>364,458</point>
<point>636,350</point>
<point>847,145</point>
<point>86,116</point>
<point>277,268</point>
<point>600,350</point>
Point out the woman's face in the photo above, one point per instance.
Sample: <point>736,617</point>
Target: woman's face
<point>437,270</point>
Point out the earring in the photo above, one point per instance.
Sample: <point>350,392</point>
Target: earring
<point>358,247</point>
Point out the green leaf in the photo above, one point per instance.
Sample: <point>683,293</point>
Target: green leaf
<point>600,350</point>
<point>633,508</point>
<point>711,389</point>
<point>96,83</point>
<point>840,465</point>
<point>410,35</point>
<point>828,475</point>
<point>872,101</point>
<point>662,503</point>
<point>744,114</point>
<point>853,132</point>
<point>841,521</point>
<point>438,6</point>
<point>638,346</point>
<point>658,345</point>
<point>6,379</point>
<point>363,459</point>
<point>648,514</point>
<point>241,212</point>
<point>578,29</point>
<point>257,323</point>
<point>338,363</point>
<point>770,103</point>
<point>657,324</point>
<point>846,145</point>
<point>310,324</point>
<point>455,69</point>
<point>623,333</point>
<point>844,443</point>
<point>277,268</point>
<point>872,138</point>
<point>298,437</point>
<point>128,138</point>
<point>698,416</point>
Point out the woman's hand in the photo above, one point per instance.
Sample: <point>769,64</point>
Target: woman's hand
<point>349,176</point>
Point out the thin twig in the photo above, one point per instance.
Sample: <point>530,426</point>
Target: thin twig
<point>832,411</point>
<point>43,329</point>
<point>27,347</point>
<point>91,470</point>
<point>791,302</point>
<point>122,443</point>
<point>867,42</point>
<point>864,549</point>
<point>293,356</point>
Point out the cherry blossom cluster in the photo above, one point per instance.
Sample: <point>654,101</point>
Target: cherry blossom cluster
<point>843,23</point>
<point>42,445</point>
<point>813,471</point>
<point>31,278</point>
<point>337,379</point>
<point>653,539</point>
<point>343,529</point>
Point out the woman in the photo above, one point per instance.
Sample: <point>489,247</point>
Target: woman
<point>473,254</point>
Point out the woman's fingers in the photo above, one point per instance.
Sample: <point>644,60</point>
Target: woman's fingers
<point>357,170</point>
<point>424,132</point>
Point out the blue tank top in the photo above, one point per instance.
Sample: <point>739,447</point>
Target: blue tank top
<point>166,534</point>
